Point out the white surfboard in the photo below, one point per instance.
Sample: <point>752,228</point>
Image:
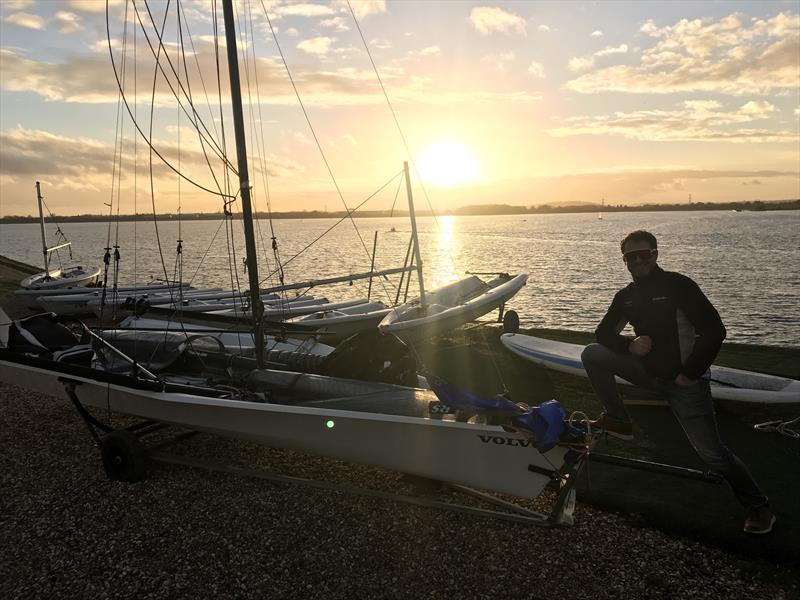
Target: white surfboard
<point>726,383</point>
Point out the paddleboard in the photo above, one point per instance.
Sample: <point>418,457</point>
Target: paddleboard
<point>726,383</point>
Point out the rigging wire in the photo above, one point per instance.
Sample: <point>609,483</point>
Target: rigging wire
<point>200,137</point>
<point>394,115</point>
<point>263,155</point>
<point>188,97</point>
<point>243,20</point>
<point>150,154</point>
<point>131,112</point>
<point>313,132</point>
<point>348,215</point>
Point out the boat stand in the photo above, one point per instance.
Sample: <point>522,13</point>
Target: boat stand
<point>561,513</point>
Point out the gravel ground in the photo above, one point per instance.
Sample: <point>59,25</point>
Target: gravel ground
<point>68,532</point>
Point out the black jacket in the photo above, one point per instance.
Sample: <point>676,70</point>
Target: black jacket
<point>685,328</point>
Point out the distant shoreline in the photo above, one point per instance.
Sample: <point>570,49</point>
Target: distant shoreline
<point>475,210</point>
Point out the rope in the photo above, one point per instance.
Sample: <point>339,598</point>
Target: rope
<point>349,213</point>
<point>781,427</point>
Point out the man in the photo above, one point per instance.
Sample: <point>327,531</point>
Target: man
<point>678,335</point>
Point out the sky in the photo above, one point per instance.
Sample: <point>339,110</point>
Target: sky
<point>520,103</point>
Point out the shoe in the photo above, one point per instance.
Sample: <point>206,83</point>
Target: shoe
<point>613,427</point>
<point>759,521</point>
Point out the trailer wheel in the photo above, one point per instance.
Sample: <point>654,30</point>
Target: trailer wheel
<point>123,456</point>
<point>511,322</point>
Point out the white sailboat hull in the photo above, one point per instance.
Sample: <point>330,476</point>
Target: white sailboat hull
<point>233,341</point>
<point>480,456</point>
<point>86,304</point>
<point>59,279</point>
<point>336,325</point>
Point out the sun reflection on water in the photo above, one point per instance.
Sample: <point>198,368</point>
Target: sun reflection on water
<point>446,246</point>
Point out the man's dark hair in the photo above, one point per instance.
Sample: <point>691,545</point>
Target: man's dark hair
<point>640,235</point>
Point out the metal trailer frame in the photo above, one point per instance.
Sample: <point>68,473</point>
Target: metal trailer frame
<point>124,454</point>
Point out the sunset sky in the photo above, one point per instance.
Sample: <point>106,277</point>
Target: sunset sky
<point>499,102</point>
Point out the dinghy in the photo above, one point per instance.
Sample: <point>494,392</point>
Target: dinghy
<point>56,278</point>
<point>336,325</point>
<point>726,383</point>
<point>31,297</point>
<point>91,302</point>
<point>233,341</point>
<point>450,306</point>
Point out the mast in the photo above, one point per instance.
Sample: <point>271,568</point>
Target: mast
<point>45,251</point>
<point>413,216</point>
<point>256,304</point>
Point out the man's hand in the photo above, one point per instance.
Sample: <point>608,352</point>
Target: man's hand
<point>640,346</point>
<point>682,379</point>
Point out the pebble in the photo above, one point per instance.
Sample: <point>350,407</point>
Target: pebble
<point>69,532</point>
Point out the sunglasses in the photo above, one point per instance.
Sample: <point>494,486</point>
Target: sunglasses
<point>642,255</point>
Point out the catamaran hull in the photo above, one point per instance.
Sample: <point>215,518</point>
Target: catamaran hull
<point>89,303</point>
<point>414,329</point>
<point>335,326</point>
<point>480,456</point>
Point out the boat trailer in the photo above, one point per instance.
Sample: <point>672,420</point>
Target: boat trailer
<point>124,456</point>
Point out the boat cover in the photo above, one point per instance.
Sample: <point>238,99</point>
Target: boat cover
<point>544,423</point>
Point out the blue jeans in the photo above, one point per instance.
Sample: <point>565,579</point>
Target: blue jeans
<point>692,406</point>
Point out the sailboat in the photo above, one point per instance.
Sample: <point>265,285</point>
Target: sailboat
<point>52,278</point>
<point>398,427</point>
<point>602,207</point>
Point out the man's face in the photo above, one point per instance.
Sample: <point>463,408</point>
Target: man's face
<point>639,258</point>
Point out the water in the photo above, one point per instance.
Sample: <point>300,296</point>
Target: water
<point>746,262</point>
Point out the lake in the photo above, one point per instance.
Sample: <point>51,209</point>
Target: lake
<point>746,262</point>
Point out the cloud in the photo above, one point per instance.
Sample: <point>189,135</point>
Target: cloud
<point>427,51</point>
<point>733,55</point>
<point>487,20</point>
<point>536,69</point>
<point>380,44</point>
<point>15,5</point>
<point>25,20</point>
<point>580,63</point>
<point>302,10</point>
<point>596,33</point>
<point>694,120</point>
<point>91,6</point>
<point>77,165</point>
<point>609,50</point>
<point>577,64</point>
<point>317,45</point>
<point>86,79</point>
<point>337,23</point>
<point>498,61</point>
<point>543,28</point>
<point>67,22</point>
<point>757,109</point>
<point>363,8</point>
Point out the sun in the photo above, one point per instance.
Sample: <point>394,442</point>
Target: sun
<point>447,163</point>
